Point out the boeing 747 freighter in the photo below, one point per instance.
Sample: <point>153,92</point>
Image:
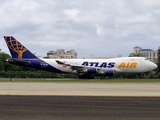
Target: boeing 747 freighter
<point>84,68</point>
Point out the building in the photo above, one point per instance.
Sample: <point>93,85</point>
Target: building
<point>60,53</point>
<point>150,54</point>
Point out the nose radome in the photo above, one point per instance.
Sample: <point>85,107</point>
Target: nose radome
<point>153,66</point>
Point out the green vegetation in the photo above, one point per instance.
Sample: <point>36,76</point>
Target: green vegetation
<point>8,70</point>
<point>158,63</point>
<point>12,71</point>
<point>84,80</point>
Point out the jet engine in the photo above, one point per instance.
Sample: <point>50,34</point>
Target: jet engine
<point>106,72</point>
<point>90,70</point>
<point>109,73</point>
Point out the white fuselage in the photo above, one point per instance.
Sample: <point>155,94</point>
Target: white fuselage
<point>119,65</point>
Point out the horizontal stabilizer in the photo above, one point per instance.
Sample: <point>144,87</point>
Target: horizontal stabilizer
<point>12,60</point>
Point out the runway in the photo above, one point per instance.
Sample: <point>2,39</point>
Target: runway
<point>80,89</point>
<point>79,108</point>
<point>79,101</point>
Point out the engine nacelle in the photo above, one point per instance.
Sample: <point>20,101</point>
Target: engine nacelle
<point>100,72</point>
<point>109,73</point>
<point>106,72</point>
<point>90,70</point>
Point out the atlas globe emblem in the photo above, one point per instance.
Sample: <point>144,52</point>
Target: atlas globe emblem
<point>16,47</point>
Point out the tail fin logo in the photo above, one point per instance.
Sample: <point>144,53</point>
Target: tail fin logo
<point>14,45</point>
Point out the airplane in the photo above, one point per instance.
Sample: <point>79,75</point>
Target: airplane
<point>84,68</point>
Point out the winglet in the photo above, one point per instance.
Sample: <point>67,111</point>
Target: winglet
<point>16,49</point>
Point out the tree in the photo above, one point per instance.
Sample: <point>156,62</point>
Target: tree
<point>3,64</point>
<point>158,63</point>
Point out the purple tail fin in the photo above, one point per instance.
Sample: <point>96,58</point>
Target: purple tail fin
<point>16,49</point>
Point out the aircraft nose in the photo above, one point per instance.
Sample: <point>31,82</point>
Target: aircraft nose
<point>153,66</point>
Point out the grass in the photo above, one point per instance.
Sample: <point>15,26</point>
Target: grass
<point>82,80</point>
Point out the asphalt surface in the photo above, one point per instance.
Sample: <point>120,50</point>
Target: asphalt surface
<point>79,101</point>
<point>80,89</point>
<point>79,108</point>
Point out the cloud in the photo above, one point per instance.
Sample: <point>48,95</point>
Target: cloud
<point>102,28</point>
<point>71,13</point>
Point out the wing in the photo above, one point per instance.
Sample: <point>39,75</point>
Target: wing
<point>73,67</point>
<point>81,68</point>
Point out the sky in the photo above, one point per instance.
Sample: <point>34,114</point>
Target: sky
<point>94,28</point>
